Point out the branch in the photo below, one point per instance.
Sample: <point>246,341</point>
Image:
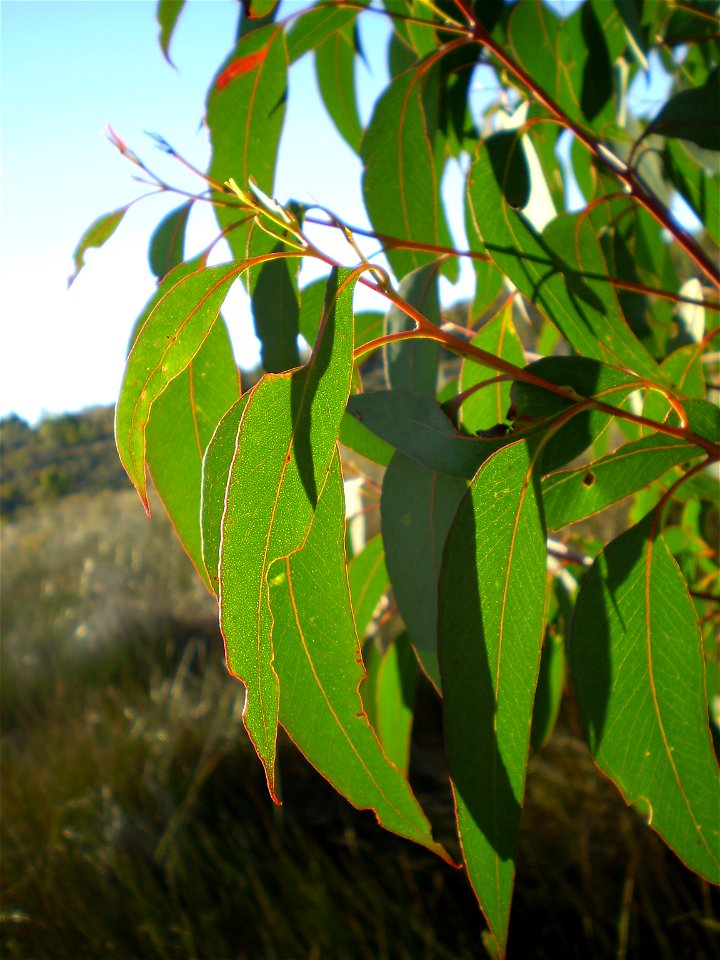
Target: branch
<point>629,177</point>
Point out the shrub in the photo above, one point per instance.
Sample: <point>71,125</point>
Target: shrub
<point>577,384</point>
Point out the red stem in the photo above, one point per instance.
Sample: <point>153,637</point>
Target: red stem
<point>627,176</point>
<point>441,250</point>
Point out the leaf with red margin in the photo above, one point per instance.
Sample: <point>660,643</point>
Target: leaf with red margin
<point>490,633</point>
<point>561,271</point>
<point>168,241</point>
<point>171,330</point>
<point>368,578</point>
<point>401,182</point>
<point>489,405</point>
<point>573,495</point>
<point>285,445</point>
<point>637,666</point>
<point>96,235</point>
<point>316,24</point>
<point>181,424</point>
<point>245,113</point>
<point>389,697</point>
<point>318,662</point>
<point>335,70</point>
<point>215,472</point>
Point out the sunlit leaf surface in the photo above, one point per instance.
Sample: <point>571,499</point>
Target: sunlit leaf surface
<point>638,673</point>
<point>285,445</point>
<point>490,631</point>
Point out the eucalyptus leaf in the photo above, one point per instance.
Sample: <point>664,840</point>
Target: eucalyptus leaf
<point>638,673</point>
<point>490,632</point>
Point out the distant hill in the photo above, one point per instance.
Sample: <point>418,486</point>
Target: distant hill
<point>64,454</point>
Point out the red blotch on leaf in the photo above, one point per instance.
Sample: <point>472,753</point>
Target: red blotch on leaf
<point>239,67</point>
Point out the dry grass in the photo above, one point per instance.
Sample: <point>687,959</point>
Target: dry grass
<point>136,823</point>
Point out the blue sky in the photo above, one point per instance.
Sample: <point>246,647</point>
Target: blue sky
<point>67,69</point>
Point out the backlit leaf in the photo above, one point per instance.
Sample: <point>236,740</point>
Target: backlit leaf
<point>285,445</point>
<point>359,439</point>
<point>391,686</point>
<point>335,69</point>
<point>167,14</point>
<point>694,174</point>
<point>245,113</point>
<point>181,424</point>
<point>567,57</point>
<point>172,328</point>
<point>368,579</point>
<point>589,379</point>
<point>573,495</point>
<point>316,24</point>
<point>489,405</point>
<point>551,678</point>
<point>276,312</point>
<point>96,235</point>
<point>168,241</point>
<point>693,115</point>
<point>637,664</point>
<point>401,179</point>
<point>564,284</point>
<point>411,364</point>
<point>216,465</point>
<point>318,662</point>
<point>418,507</point>
<point>490,631</point>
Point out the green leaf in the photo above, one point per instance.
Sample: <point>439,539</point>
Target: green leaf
<point>168,241</point>
<point>216,465</point>
<point>245,113</point>
<point>401,183</point>
<point>692,115</point>
<point>415,425</point>
<point>417,508</point>
<point>589,379</point>
<point>551,678</point>
<point>96,235</point>
<point>285,445</point>
<point>182,421</point>
<point>704,419</point>
<point>562,272</point>
<point>390,688</point>
<point>318,661</point>
<point>368,579</point>
<point>694,174</point>
<point>574,246</point>
<point>359,439</point>
<point>335,69</point>
<point>167,13</point>
<point>637,665</point>
<point>489,405</point>
<point>684,369</point>
<point>574,495</point>
<point>566,56</point>
<point>490,631</point>
<point>276,312</point>
<point>171,330</point>
<point>316,24</point>
<point>259,9</point>
<point>410,364</point>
